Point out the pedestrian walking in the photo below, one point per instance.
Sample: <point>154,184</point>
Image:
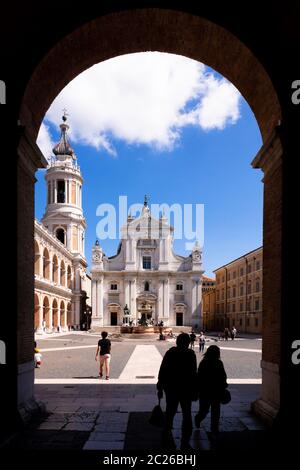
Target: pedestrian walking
<point>233,332</point>
<point>212,382</point>
<point>104,347</point>
<point>178,379</point>
<point>192,339</point>
<point>37,357</point>
<point>202,340</point>
<point>226,334</point>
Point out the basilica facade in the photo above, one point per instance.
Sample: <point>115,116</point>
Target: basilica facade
<point>146,280</point>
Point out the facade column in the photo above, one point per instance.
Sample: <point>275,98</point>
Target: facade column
<point>58,316</point>
<point>126,292</point>
<point>41,262</point>
<point>133,300</point>
<point>100,300</point>
<point>66,317</point>
<point>97,302</point>
<point>269,159</point>
<point>69,237</point>
<point>196,302</point>
<point>55,191</point>
<point>40,327</point>
<point>50,316</point>
<point>94,298</point>
<point>166,302</point>
<point>160,299</point>
<point>51,268</point>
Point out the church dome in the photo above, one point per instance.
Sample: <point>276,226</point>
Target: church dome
<point>63,147</point>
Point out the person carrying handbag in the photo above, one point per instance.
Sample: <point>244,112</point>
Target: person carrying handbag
<point>212,385</point>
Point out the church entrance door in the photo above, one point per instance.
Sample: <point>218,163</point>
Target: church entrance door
<point>113,318</point>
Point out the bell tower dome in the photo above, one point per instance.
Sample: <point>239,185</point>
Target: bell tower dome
<point>64,216</point>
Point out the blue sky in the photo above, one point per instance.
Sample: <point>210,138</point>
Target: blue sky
<point>202,155</point>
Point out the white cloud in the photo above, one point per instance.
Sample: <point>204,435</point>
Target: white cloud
<point>44,141</point>
<point>144,98</point>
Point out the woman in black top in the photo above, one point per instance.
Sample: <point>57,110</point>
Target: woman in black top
<point>212,381</point>
<point>104,345</point>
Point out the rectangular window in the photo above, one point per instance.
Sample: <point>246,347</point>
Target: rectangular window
<point>249,288</point>
<point>241,306</point>
<point>179,287</point>
<point>61,191</point>
<point>223,294</point>
<point>249,268</point>
<point>234,274</point>
<point>242,272</point>
<point>248,321</point>
<point>146,262</point>
<point>256,321</point>
<point>241,322</point>
<point>114,287</point>
<point>257,304</point>
<point>228,276</point>
<point>242,290</point>
<point>257,286</point>
<point>233,308</point>
<point>257,265</point>
<point>233,292</point>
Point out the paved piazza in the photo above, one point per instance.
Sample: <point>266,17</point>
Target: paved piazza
<point>73,357</point>
<point>88,413</point>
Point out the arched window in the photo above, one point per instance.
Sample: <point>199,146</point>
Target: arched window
<point>61,188</point>
<point>147,286</point>
<point>46,313</point>
<point>60,234</point>
<point>55,313</point>
<point>62,273</point>
<point>69,277</point>
<point>37,257</point>
<point>55,269</point>
<point>62,314</point>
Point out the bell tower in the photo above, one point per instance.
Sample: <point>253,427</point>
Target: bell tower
<point>64,216</point>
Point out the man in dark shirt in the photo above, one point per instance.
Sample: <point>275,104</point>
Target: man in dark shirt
<point>178,379</point>
<point>104,345</point>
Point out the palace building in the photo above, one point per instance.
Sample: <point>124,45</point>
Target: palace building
<point>61,281</point>
<point>146,277</point>
<point>238,294</point>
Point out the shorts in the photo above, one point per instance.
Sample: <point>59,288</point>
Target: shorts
<point>105,356</point>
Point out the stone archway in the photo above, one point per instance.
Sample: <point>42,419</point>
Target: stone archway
<point>47,314</point>
<point>55,314</point>
<point>192,36</point>
<point>62,311</point>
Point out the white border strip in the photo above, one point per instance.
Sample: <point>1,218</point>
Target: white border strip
<point>126,381</point>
